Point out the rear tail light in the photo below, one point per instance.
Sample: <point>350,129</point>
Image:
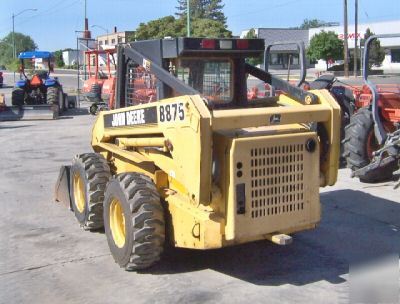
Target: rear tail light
<point>208,44</point>
<point>242,44</point>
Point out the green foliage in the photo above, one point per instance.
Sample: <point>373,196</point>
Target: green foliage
<point>160,28</point>
<point>325,45</point>
<point>312,23</point>
<point>202,9</point>
<point>131,36</point>
<point>13,65</point>
<point>376,52</point>
<point>23,43</point>
<point>58,56</point>
<point>209,28</point>
<point>169,26</point>
<point>251,34</point>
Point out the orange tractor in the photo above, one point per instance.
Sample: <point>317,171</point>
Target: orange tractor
<point>99,86</point>
<point>370,148</point>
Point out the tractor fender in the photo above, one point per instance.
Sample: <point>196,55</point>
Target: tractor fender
<point>20,83</point>
<point>50,82</point>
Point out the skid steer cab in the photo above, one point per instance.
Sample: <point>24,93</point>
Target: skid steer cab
<point>186,158</point>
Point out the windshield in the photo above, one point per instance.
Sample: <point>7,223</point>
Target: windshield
<point>211,77</point>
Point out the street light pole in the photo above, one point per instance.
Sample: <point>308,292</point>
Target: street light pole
<point>13,35</point>
<point>355,39</point>
<point>346,46</point>
<point>13,30</point>
<point>13,27</point>
<point>104,29</point>
<point>188,17</point>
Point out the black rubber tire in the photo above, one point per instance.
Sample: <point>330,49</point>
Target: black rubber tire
<point>65,102</point>
<point>355,147</point>
<point>18,97</point>
<point>95,92</point>
<point>94,109</point>
<point>95,173</point>
<point>144,221</point>
<point>55,96</point>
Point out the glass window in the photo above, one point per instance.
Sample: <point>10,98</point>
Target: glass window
<point>100,42</point>
<point>119,39</point>
<point>113,41</point>
<point>211,77</point>
<point>106,42</point>
<point>395,54</point>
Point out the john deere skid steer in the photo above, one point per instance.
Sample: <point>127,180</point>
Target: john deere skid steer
<point>185,158</point>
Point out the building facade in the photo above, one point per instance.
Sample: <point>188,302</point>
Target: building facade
<point>390,45</point>
<point>281,55</point>
<point>108,41</point>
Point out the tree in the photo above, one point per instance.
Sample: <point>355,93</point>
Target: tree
<point>251,34</point>
<point>58,56</point>
<point>23,43</point>
<point>170,27</point>
<point>326,46</point>
<point>376,52</point>
<point>202,9</point>
<point>209,28</point>
<point>160,28</point>
<point>312,23</point>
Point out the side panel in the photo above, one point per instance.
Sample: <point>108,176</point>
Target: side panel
<point>183,122</point>
<point>275,186</point>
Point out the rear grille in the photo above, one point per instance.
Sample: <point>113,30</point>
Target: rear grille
<point>277,180</point>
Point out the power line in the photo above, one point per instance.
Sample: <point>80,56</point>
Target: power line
<point>49,11</point>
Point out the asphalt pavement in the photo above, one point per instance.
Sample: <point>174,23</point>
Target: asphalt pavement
<point>47,258</point>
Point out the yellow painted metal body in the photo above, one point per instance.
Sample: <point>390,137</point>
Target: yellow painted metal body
<point>117,223</point>
<point>79,192</point>
<point>194,163</point>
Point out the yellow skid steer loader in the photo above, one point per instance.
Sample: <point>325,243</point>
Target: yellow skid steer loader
<point>186,158</point>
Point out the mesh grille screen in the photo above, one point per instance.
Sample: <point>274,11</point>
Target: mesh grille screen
<point>140,86</point>
<point>277,180</point>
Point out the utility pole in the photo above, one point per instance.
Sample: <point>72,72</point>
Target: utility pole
<point>346,47</point>
<point>13,36</point>
<point>13,31</point>
<point>355,39</point>
<point>188,17</point>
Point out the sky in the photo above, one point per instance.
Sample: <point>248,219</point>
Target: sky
<point>54,23</point>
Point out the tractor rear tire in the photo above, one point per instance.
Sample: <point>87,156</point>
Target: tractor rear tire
<point>89,176</point>
<point>356,142</point>
<point>18,97</point>
<point>55,96</point>
<point>134,221</point>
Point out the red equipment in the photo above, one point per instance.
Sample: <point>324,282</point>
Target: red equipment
<point>372,127</point>
<point>93,86</point>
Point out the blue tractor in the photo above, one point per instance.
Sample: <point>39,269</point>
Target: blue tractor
<point>36,95</point>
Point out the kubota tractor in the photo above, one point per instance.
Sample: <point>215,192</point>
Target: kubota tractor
<point>371,129</point>
<point>99,86</point>
<point>36,95</point>
<point>195,163</point>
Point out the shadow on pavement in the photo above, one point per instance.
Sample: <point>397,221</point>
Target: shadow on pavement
<point>70,113</point>
<point>355,226</point>
<point>14,127</point>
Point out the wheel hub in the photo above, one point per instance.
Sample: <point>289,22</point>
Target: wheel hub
<point>117,223</point>
<point>79,192</point>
